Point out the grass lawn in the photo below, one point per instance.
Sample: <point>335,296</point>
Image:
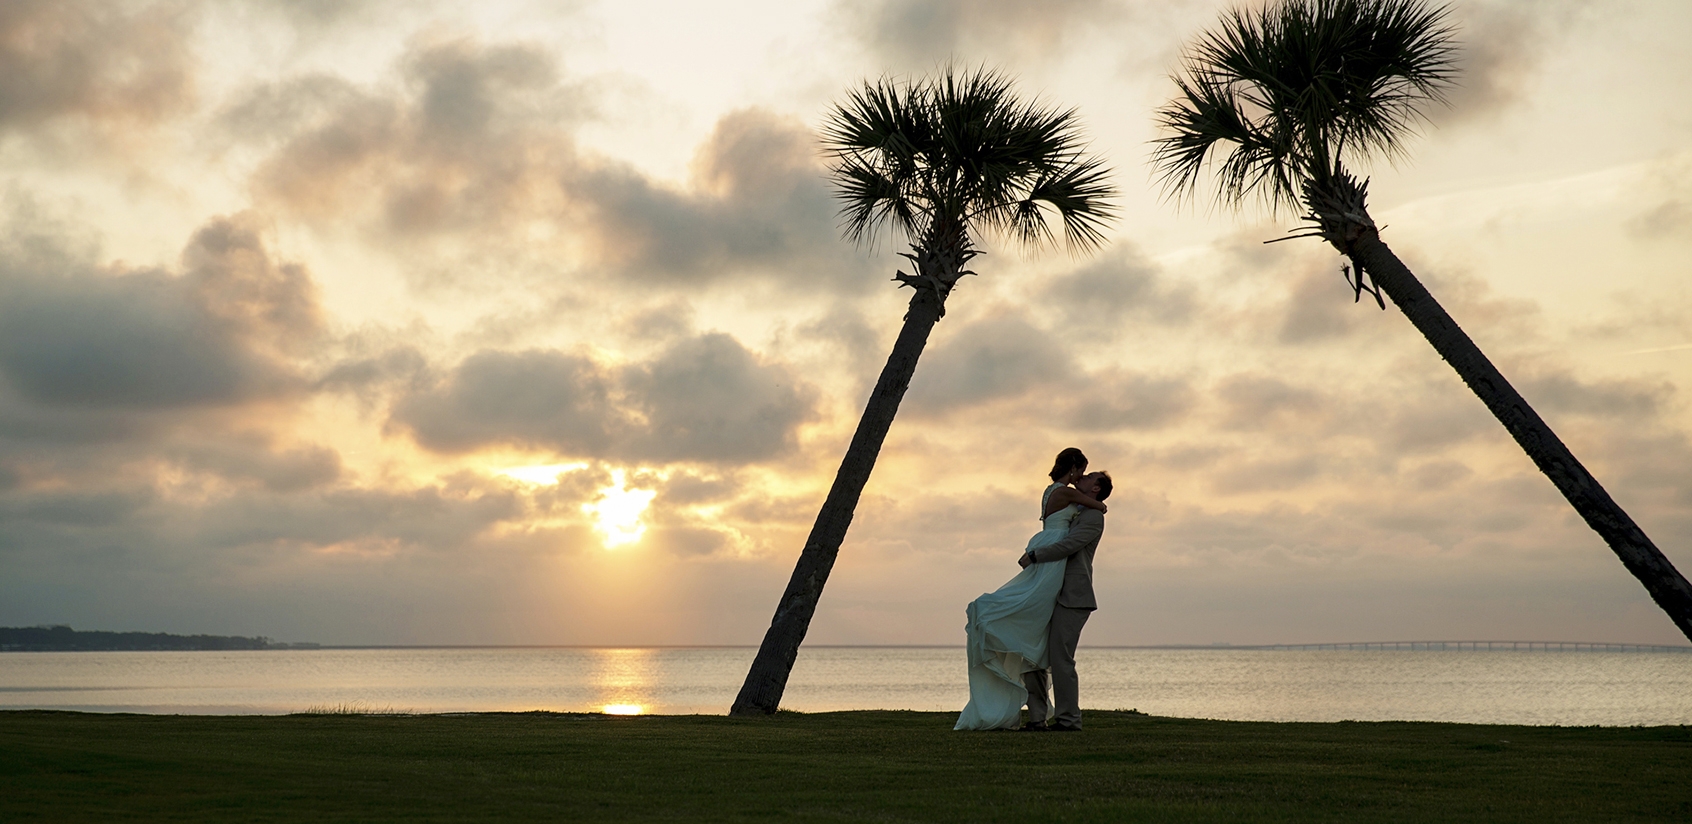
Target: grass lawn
<point>881,766</point>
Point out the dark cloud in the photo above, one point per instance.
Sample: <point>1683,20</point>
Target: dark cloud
<point>214,335</point>
<point>1050,378</point>
<point>446,516</point>
<point>75,510</point>
<point>1110,400</point>
<point>1439,474</point>
<point>1320,307</point>
<point>760,203</point>
<point>1258,402</point>
<point>856,349</point>
<point>992,359</point>
<point>535,398</point>
<point>476,146</point>
<point>1501,46</point>
<point>705,398</point>
<point>256,461</point>
<point>272,114</point>
<point>110,63</point>
<point>1635,401</point>
<point>1668,210</point>
<point>367,375</point>
<point>686,541</point>
<point>1667,218</point>
<point>474,139</point>
<point>1267,475</point>
<point>684,488</point>
<point>1121,289</point>
<point>138,339</point>
<point>924,32</point>
<point>475,150</point>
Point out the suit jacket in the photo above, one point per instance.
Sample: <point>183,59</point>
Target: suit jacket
<point>1078,546</point>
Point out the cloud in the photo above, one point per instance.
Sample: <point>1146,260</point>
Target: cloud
<point>1501,46</point>
<point>1273,474</point>
<point>1113,400</point>
<point>1117,290</point>
<point>447,516</point>
<point>704,398</point>
<point>707,398</point>
<point>535,398</point>
<point>996,358</point>
<point>1668,212</point>
<point>257,461</point>
<point>924,32</point>
<point>1258,402</point>
<point>366,374</point>
<point>759,204</point>
<point>1623,400</point>
<point>112,64</point>
<point>1425,417</point>
<point>216,334</point>
<point>473,156</point>
<point>1316,310</point>
<point>474,138</point>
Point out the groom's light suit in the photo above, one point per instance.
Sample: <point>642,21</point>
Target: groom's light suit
<point>1075,604</point>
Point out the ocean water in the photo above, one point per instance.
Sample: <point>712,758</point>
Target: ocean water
<point>1507,687</point>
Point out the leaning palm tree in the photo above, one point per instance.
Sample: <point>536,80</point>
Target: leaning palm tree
<point>1276,100</point>
<point>940,161</point>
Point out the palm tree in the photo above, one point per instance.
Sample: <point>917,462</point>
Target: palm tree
<point>1284,95</point>
<point>938,160</point>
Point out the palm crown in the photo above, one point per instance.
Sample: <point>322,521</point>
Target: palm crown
<point>943,156</point>
<point>1297,84</point>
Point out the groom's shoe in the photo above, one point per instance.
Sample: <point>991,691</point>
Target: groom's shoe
<point>1040,727</point>
<point>1062,728</point>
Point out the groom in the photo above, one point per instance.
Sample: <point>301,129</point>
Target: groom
<point>1074,605</point>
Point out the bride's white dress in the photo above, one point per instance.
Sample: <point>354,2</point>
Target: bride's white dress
<point>1007,632</point>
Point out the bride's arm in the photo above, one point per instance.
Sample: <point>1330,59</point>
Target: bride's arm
<point>1084,532</point>
<point>1065,495</point>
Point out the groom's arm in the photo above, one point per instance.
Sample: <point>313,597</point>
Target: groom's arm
<point>1089,525</point>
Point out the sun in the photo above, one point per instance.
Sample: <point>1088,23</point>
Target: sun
<point>618,510</point>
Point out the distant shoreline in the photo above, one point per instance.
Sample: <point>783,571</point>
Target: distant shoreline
<point>61,638</point>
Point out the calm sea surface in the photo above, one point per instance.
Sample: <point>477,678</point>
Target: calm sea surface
<point>1566,688</point>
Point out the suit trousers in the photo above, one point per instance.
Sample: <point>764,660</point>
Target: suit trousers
<point>1064,636</point>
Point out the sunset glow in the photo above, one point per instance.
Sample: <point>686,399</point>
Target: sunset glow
<point>380,323</point>
<point>618,510</point>
<point>543,475</point>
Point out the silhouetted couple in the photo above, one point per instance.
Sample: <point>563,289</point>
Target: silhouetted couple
<point>1033,623</point>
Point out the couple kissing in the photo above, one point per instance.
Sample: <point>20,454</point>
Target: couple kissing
<point>1033,623</point>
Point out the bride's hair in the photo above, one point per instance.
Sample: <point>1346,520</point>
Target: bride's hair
<point>1068,459</point>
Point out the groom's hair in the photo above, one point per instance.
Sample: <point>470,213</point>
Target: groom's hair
<point>1104,485</point>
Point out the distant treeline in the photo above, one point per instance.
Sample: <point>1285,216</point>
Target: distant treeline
<point>65,639</point>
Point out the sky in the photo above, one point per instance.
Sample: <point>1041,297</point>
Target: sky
<point>532,323</point>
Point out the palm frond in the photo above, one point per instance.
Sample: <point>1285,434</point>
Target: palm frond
<point>1286,93</point>
<point>960,149</point>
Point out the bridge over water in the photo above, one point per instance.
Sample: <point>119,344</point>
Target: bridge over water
<point>1440,646</point>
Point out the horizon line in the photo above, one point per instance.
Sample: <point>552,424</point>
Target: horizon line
<point>1494,644</point>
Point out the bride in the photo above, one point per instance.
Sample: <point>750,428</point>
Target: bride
<point>1007,627</point>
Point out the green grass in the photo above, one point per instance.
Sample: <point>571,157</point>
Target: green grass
<point>879,766</point>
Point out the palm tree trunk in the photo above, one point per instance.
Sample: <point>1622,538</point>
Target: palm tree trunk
<point>765,682</point>
<point>1642,558</point>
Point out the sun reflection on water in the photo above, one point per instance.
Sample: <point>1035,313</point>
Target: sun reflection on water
<point>623,680</point>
